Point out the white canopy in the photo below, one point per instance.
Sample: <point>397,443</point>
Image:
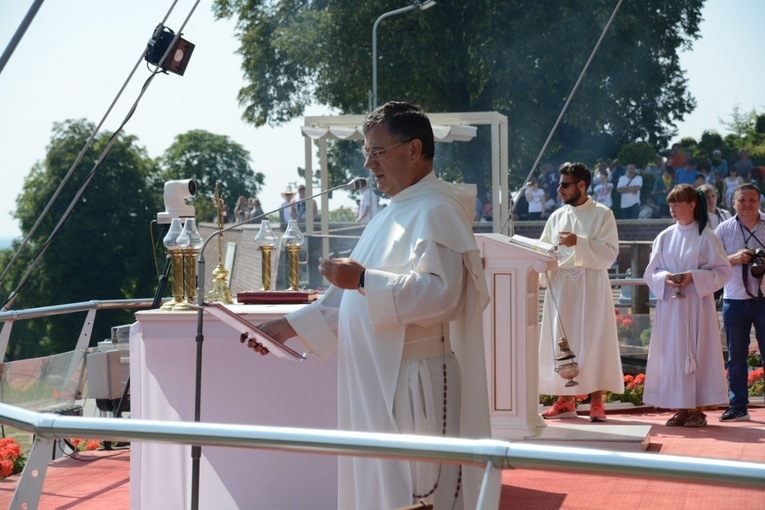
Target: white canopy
<point>441,133</point>
<point>447,127</point>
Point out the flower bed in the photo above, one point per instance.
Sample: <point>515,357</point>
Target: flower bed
<point>11,459</point>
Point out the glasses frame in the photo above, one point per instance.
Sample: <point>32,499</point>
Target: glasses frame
<point>375,153</point>
<point>565,185</point>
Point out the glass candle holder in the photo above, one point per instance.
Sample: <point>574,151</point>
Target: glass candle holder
<point>266,241</point>
<point>292,240</point>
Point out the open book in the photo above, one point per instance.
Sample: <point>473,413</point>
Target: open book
<point>533,244</point>
<point>243,326</point>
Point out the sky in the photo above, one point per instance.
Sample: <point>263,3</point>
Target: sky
<point>77,55</point>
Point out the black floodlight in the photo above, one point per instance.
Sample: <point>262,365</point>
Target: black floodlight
<point>177,59</point>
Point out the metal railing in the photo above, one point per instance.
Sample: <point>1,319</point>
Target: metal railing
<point>492,454</point>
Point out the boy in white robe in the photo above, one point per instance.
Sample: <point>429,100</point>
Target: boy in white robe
<point>404,313</point>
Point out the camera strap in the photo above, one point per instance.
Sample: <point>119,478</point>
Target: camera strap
<point>744,267</point>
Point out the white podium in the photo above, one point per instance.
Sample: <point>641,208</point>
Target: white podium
<point>238,387</point>
<point>511,335</point>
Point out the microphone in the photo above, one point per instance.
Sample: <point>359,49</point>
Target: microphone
<point>357,183</point>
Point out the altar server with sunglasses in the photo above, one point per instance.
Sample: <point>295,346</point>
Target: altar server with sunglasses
<point>578,303</point>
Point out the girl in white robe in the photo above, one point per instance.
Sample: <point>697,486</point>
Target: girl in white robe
<point>685,369</point>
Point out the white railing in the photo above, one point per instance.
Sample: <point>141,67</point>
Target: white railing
<point>494,455</point>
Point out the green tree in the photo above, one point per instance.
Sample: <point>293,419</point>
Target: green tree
<point>209,158</point>
<point>103,251</point>
<point>640,154</point>
<point>342,213</point>
<point>518,57</point>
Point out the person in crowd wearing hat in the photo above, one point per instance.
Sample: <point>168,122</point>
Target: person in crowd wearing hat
<point>284,213</point>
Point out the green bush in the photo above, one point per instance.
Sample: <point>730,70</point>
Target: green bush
<point>645,337</point>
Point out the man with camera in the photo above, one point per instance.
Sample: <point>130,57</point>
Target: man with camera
<point>743,237</point>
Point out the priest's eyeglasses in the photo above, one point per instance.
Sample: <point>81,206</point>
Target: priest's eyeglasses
<point>565,185</point>
<point>375,153</point>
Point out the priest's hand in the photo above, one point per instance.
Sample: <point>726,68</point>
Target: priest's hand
<point>279,329</point>
<point>343,273</point>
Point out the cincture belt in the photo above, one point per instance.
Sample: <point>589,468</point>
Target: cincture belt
<point>425,341</point>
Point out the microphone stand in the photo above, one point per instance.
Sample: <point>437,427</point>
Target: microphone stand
<point>196,451</point>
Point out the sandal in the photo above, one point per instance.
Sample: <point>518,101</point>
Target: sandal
<point>698,419</point>
<point>678,420</point>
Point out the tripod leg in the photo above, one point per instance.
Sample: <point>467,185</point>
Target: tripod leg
<point>161,285</point>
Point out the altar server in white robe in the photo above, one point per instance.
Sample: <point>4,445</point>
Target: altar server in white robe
<point>404,314</point>
<point>688,264</point>
<point>578,301</point>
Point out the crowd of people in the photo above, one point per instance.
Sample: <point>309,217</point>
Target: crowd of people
<point>631,194</point>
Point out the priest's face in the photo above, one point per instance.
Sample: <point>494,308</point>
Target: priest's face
<point>390,160</point>
<point>571,191</point>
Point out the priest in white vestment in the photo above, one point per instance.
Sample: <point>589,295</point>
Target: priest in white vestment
<point>578,303</point>
<point>685,367</point>
<point>404,314</point>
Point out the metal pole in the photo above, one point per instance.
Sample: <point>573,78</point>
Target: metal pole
<point>374,46</point>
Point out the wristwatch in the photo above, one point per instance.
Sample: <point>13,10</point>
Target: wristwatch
<point>361,279</point>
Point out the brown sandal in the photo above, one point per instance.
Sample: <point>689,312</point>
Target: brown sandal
<point>698,419</point>
<point>678,420</point>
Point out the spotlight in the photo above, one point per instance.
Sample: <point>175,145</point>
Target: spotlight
<point>178,58</point>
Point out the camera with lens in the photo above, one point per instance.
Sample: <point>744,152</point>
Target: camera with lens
<point>757,265</point>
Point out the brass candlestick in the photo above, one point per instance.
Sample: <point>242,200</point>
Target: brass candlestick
<point>190,243</point>
<point>266,241</point>
<point>292,251</point>
<point>220,292</point>
<point>176,260</point>
<point>265,266</point>
<point>292,239</point>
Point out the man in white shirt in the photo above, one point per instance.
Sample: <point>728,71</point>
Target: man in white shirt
<point>743,302</point>
<point>368,205</point>
<point>629,187</point>
<point>412,291</point>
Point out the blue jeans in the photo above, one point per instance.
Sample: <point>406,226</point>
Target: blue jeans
<point>739,315</point>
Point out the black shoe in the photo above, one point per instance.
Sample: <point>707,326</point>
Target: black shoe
<point>735,414</point>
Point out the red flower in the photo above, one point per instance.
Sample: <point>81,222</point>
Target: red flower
<point>640,379</point>
<point>6,467</point>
